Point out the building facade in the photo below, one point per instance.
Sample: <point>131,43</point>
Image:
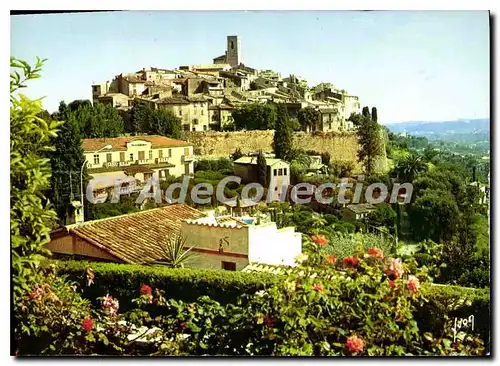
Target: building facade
<point>193,111</point>
<point>139,157</point>
<point>278,173</point>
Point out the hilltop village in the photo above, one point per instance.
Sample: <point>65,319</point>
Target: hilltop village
<point>224,210</point>
<point>204,96</point>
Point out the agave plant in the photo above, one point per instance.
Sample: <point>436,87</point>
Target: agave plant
<point>174,253</point>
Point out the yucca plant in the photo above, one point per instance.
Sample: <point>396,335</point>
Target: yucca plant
<point>174,253</point>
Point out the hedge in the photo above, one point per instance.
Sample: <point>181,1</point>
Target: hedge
<point>448,302</point>
<point>123,281</point>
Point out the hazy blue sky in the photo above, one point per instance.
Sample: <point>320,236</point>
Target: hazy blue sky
<point>410,65</point>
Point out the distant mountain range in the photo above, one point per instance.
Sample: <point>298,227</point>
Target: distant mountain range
<point>463,130</point>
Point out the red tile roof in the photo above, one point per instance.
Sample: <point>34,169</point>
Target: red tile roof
<point>137,237</point>
<point>120,143</point>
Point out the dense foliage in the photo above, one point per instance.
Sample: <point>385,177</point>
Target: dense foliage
<point>145,120</point>
<point>255,117</point>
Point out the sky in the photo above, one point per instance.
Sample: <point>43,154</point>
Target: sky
<point>411,65</point>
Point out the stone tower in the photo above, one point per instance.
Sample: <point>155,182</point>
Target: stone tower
<point>232,53</point>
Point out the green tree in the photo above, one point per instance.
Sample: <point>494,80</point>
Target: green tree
<point>141,118</point>
<point>98,121</point>
<point>78,103</point>
<point>165,123</point>
<point>262,167</point>
<point>383,215</point>
<point>410,168</point>
<point>434,215</point>
<point>374,114</point>
<point>369,138</point>
<point>308,118</point>
<point>255,117</point>
<point>283,135</point>
<point>66,161</point>
<point>31,217</point>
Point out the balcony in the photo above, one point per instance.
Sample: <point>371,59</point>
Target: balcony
<point>162,160</point>
<point>186,159</point>
<point>143,161</point>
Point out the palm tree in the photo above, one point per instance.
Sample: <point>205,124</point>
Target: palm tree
<point>304,160</point>
<point>408,169</point>
<point>174,254</point>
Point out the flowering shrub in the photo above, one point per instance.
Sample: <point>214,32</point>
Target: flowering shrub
<point>336,311</point>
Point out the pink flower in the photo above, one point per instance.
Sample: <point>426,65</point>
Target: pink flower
<point>351,262</point>
<point>320,240</point>
<point>413,284</point>
<point>331,259</point>
<point>395,269</point>
<point>392,284</point>
<point>36,294</point>
<point>111,305</point>
<point>87,324</point>
<point>318,287</point>
<point>355,344</point>
<point>146,290</point>
<point>376,252</point>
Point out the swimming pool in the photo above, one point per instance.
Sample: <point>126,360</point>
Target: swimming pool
<point>248,220</point>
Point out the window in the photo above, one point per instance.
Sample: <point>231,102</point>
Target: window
<point>202,112</point>
<point>275,172</point>
<point>150,154</point>
<point>141,155</point>
<point>160,153</point>
<point>108,158</point>
<point>194,128</point>
<point>169,153</point>
<point>122,156</point>
<point>229,266</point>
<point>204,127</point>
<point>131,157</point>
<point>96,159</point>
<point>284,171</point>
<point>186,151</point>
<point>280,171</point>
<point>180,112</point>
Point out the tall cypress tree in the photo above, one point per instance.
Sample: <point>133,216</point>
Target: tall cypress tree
<point>374,114</point>
<point>66,161</point>
<point>368,131</point>
<point>262,167</point>
<point>283,134</point>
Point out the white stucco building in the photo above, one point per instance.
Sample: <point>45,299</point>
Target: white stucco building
<point>231,243</point>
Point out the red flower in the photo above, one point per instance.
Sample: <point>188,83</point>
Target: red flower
<point>146,290</point>
<point>318,287</point>
<point>320,240</point>
<point>87,324</point>
<point>331,259</point>
<point>395,269</point>
<point>269,321</point>
<point>355,344</point>
<point>376,252</point>
<point>351,262</point>
<point>413,284</point>
<point>392,284</point>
